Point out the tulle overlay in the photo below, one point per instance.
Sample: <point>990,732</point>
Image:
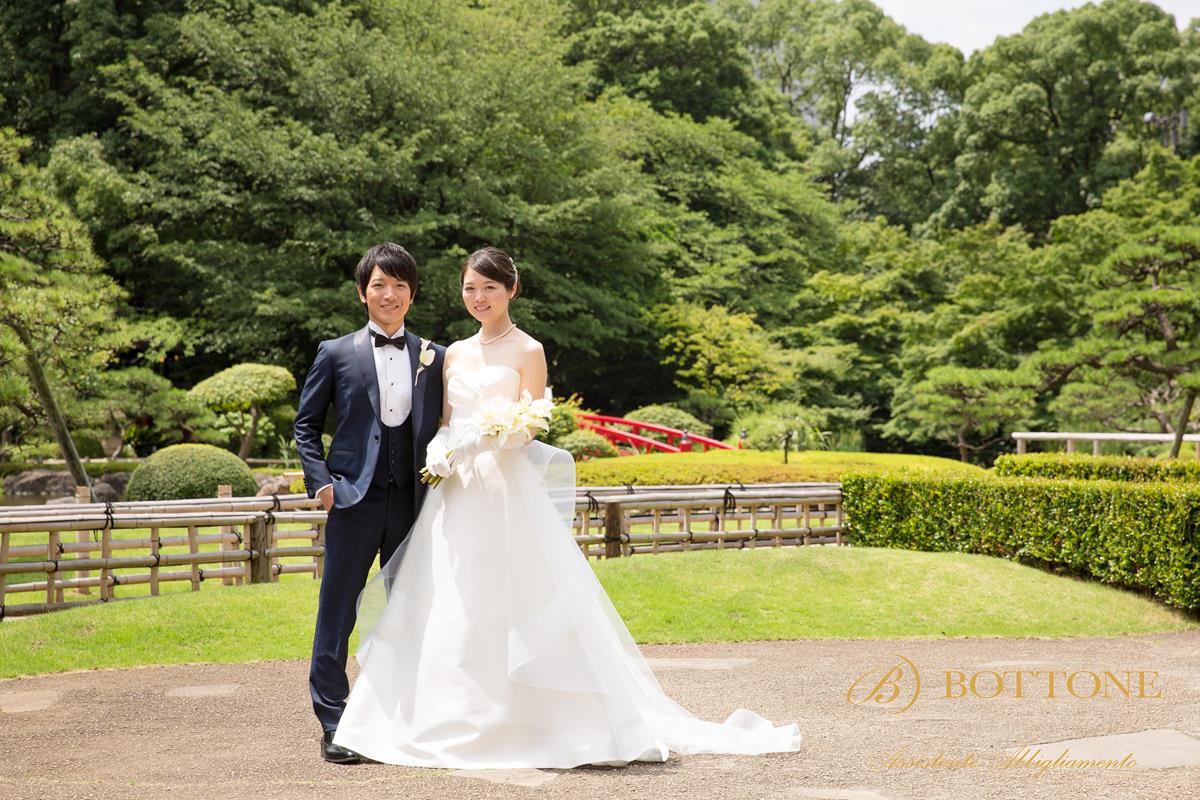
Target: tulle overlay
<point>486,641</point>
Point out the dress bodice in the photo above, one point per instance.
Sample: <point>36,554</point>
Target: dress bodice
<point>469,389</point>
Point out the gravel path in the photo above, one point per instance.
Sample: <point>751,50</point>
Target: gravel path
<point>247,730</point>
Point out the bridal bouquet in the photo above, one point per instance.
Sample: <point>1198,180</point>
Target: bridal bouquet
<point>500,424</point>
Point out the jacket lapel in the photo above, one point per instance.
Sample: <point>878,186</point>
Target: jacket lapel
<point>364,352</point>
<point>419,381</point>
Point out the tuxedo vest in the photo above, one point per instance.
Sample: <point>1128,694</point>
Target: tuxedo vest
<point>395,462</point>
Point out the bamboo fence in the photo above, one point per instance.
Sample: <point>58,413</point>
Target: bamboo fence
<point>61,554</point>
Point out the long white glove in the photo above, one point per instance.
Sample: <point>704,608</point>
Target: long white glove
<point>470,442</point>
<point>437,453</point>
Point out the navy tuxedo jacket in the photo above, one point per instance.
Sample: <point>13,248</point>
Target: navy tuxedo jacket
<point>343,374</point>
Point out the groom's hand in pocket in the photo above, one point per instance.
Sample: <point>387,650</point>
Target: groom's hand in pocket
<point>326,495</point>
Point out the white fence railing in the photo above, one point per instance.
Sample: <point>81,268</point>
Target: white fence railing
<point>1071,437</point>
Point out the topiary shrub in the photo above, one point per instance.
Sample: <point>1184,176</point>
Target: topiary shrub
<point>185,471</point>
<point>243,393</point>
<point>671,417</point>
<point>584,444</point>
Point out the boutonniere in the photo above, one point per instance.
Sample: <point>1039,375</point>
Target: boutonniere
<point>424,359</point>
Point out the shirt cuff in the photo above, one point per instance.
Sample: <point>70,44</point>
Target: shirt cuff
<point>323,488</point>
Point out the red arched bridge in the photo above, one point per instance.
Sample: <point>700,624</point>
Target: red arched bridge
<point>635,442</point>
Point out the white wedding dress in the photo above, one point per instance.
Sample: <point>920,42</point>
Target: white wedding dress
<point>497,647</point>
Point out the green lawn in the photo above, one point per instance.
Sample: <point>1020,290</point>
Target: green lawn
<point>731,595</point>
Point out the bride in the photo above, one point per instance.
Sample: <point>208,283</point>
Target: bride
<point>486,640</point>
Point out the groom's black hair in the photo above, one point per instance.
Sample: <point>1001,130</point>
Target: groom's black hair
<point>393,260</point>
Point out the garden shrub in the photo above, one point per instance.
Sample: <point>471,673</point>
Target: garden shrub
<point>765,429</point>
<point>585,444</point>
<point>563,421</point>
<point>756,466</point>
<point>185,471</point>
<point>1138,535</point>
<point>671,417</point>
<point>1089,467</point>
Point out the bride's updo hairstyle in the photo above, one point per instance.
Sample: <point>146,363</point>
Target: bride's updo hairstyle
<point>493,264</point>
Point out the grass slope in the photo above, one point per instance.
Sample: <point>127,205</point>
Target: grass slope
<point>785,593</point>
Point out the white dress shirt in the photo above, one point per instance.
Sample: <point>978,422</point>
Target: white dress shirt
<point>393,370</point>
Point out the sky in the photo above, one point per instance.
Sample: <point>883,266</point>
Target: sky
<point>973,24</point>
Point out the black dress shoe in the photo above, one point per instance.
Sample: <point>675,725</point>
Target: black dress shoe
<point>335,753</point>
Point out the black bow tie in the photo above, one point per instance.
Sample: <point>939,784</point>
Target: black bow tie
<point>381,340</point>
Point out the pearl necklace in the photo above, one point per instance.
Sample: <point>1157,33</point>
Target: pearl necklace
<point>496,338</point>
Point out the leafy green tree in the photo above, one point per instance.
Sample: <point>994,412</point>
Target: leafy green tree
<point>1053,115</point>
<point>721,354</point>
<point>1147,315</point>
<point>260,149</point>
<point>730,230</point>
<point>852,320</point>
<point>139,407</point>
<point>1132,363</point>
<point>243,393</point>
<point>802,427</point>
<point>686,60</point>
<point>56,303</point>
<point>881,101</point>
<point>971,409</point>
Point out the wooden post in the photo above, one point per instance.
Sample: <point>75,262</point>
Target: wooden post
<point>226,490</point>
<point>155,549</point>
<point>3,560</point>
<point>841,522</point>
<point>260,543</point>
<point>272,540</point>
<point>614,526</point>
<point>319,561</point>
<point>1070,445</point>
<point>193,548</point>
<point>51,577</point>
<point>83,495</point>
<point>1095,447</point>
<point>1021,444</point>
<point>107,592</point>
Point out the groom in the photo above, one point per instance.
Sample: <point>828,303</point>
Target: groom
<point>386,390</point>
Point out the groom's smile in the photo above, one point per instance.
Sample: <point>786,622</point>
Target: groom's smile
<point>387,299</point>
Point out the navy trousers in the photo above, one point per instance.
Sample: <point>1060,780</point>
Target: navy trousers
<point>354,536</point>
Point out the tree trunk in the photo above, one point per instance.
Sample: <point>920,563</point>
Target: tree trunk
<point>1181,428</point>
<point>58,423</point>
<point>248,439</point>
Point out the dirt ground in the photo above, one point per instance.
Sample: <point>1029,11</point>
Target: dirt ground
<point>247,730</point>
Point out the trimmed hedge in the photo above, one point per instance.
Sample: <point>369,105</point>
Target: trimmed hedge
<point>1143,536</point>
<point>1088,467</point>
<point>185,471</point>
<point>93,468</point>
<point>758,466</point>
